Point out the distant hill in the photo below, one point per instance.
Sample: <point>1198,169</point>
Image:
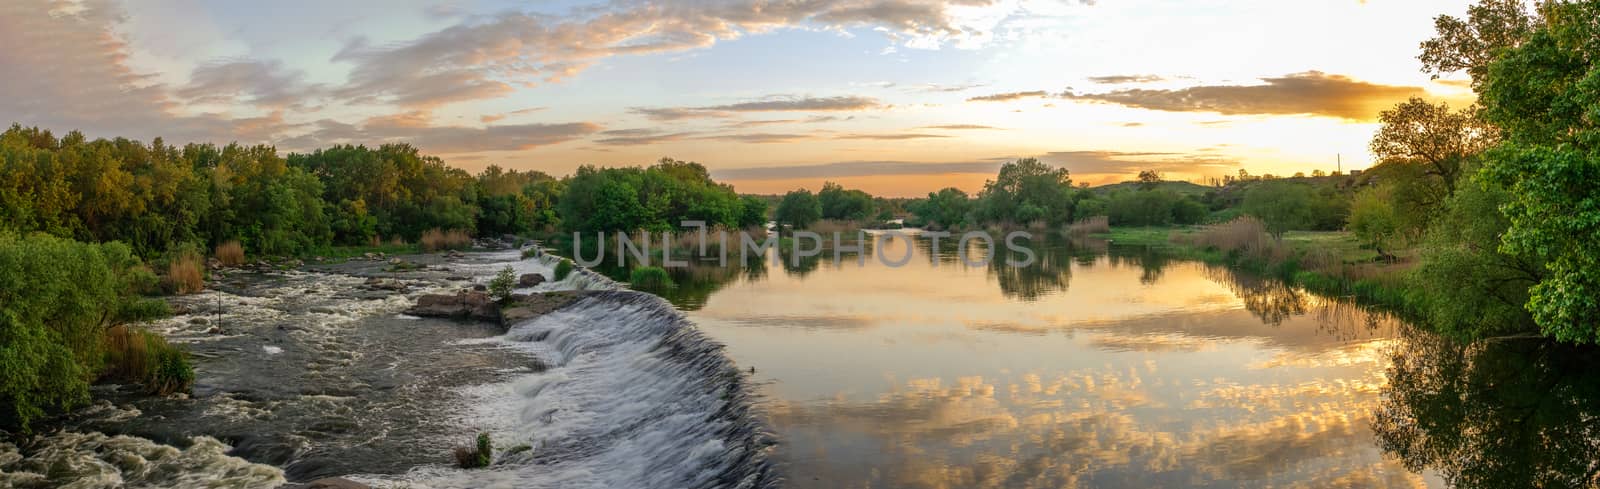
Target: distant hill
<point>1182,188</point>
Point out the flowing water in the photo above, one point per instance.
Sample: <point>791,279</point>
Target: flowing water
<point>1098,366</point>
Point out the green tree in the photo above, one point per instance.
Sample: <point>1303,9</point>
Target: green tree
<point>1281,206</point>
<point>1544,94</point>
<point>752,212</point>
<point>1434,136</point>
<point>798,209</point>
<point>846,204</point>
<point>1024,191</point>
<point>948,208</point>
<point>1374,220</point>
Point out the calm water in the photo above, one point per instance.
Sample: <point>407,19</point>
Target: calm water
<point>1111,367</point>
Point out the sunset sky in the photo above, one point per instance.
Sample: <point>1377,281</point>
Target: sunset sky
<point>898,97</point>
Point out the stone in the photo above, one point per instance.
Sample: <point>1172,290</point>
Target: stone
<point>474,304</point>
<point>530,279</point>
<point>336,483</point>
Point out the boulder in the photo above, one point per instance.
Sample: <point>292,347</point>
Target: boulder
<point>524,307</point>
<point>336,483</point>
<point>474,304</point>
<point>530,279</point>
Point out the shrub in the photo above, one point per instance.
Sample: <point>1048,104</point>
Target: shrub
<point>140,356</point>
<point>437,239</point>
<point>649,278</point>
<point>1245,236</point>
<point>185,274</point>
<point>502,284</point>
<point>230,254</point>
<point>563,269</point>
<point>470,458</point>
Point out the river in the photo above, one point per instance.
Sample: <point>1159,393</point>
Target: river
<point>1099,366</point>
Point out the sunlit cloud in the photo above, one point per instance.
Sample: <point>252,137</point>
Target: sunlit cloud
<point>1009,96</point>
<point>1308,93</point>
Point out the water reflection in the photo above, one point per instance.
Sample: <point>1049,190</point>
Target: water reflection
<point>1100,366</point>
<point>1509,413</point>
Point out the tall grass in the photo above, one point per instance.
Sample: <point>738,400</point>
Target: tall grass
<point>437,239</point>
<point>230,254</point>
<point>137,355</point>
<point>1245,236</point>
<point>185,273</point>
<point>1090,225</point>
<point>649,278</point>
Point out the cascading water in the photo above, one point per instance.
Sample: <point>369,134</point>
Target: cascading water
<point>310,376</point>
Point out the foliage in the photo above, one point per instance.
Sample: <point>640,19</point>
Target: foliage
<point>798,209</point>
<point>1468,287</point>
<point>478,457</point>
<point>1152,208</point>
<point>140,356</point>
<point>657,198</point>
<point>1544,94</point>
<point>752,212</point>
<point>563,269</point>
<point>503,282</point>
<point>1374,219</point>
<point>647,278</point>
<point>1432,136</point>
<point>57,297</point>
<point>948,208</point>
<point>1286,206</point>
<point>1024,191</point>
<point>844,204</point>
<point>404,191</point>
<point>1491,27</point>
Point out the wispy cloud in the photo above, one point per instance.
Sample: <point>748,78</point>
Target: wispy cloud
<point>1121,79</point>
<point>1308,93</point>
<point>1009,96</point>
<point>957,127</point>
<point>768,104</point>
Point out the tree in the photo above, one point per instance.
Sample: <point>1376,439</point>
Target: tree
<point>947,208</point>
<point>1281,206</point>
<point>1544,93</point>
<point>753,211</point>
<point>840,203</point>
<point>1027,190</point>
<point>1433,135</point>
<point>1149,179</point>
<point>798,209</point>
<point>1491,26</point>
<point>1373,219</point>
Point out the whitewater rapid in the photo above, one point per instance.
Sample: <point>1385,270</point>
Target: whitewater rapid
<point>615,390</point>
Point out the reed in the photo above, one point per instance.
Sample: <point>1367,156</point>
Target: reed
<point>1090,225</point>
<point>140,356</point>
<point>438,239</point>
<point>230,253</point>
<point>1245,236</point>
<point>185,274</point>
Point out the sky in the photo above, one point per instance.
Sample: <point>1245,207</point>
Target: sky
<point>897,97</point>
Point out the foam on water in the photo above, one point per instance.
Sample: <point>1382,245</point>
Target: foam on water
<point>627,393</point>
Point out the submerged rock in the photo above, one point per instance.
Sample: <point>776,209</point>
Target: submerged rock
<point>523,307</point>
<point>473,304</point>
<point>336,483</point>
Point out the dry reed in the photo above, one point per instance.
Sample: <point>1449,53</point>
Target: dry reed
<point>230,254</point>
<point>185,274</point>
<point>436,239</point>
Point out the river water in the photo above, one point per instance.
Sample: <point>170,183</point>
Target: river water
<point>1099,366</point>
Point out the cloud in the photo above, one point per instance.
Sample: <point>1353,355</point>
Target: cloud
<point>891,136</point>
<point>1120,162</point>
<point>1120,79</point>
<point>955,127</point>
<point>1308,93</point>
<point>414,128</point>
<point>856,169</point>
<point>758,138</point>
<point>487,56</point>
<point>262,83</point>
<point>939,88</point>
<point>1009,96</point>
<point>767,104</point>
<point>639,137</point>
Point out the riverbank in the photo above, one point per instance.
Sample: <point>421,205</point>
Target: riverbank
<point>1331,263</point>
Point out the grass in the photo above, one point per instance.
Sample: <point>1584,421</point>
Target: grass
<point>563,269</point>
<point>472,458</point>
<point>185,274</point>
<point>137,355</point>
<point>1092,225</point>
<point>438,239</point>
<point>649,278</point>
<point>230,254</point>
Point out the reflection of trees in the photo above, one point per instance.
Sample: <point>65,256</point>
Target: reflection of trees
<point>1051,271</point>
<point>1269,299</point>
<point>1511,413</point>
<point>1151,261</point>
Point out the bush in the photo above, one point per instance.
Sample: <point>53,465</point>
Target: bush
<point>502,284</point>
<point>185,274</point>
<point>470,458</point>
<point>59,296</point>
<point>437,239</point>
<point>649,278</point>
<point>143,357</point>
<point>563,269</point>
